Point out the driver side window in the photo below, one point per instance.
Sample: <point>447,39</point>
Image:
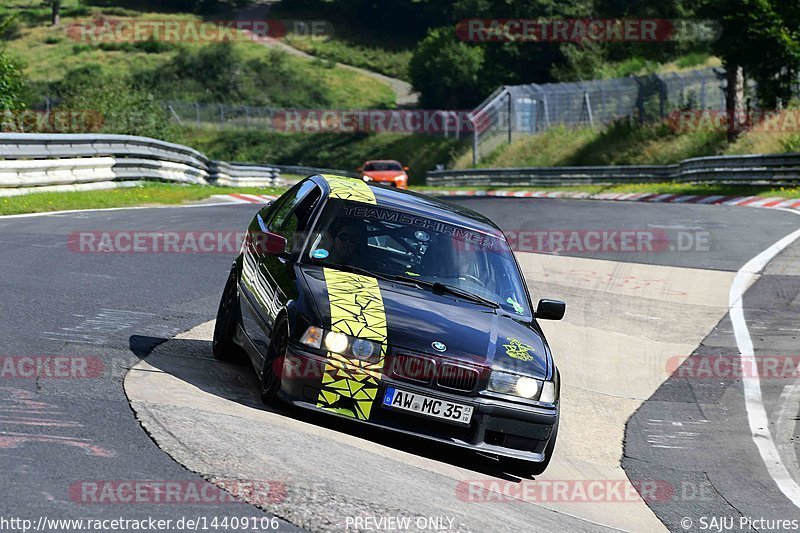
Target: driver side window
<point>287,203</point>
<point>294,224</point>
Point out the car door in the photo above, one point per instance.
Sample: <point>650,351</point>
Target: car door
<point>268,280</point>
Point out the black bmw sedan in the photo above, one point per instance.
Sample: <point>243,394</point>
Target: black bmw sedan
<point>396,310</point>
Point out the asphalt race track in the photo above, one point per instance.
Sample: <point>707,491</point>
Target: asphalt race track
<point>635,314</point>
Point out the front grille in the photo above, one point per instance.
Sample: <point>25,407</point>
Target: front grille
<point>457,377</point>
<point>412,368</point>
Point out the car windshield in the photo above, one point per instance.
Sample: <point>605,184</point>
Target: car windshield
<point>393,243</point>
<point>383,165</point>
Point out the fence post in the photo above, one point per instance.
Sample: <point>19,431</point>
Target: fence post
<point>546,110</point>
<point>640,99</point>
<point>588,106</point>
<point>509,116</point>
<point>197,114</point>
<point>474,141</point>
<point>221,116</point>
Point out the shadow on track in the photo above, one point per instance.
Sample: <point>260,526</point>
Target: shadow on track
<point>192,361</point>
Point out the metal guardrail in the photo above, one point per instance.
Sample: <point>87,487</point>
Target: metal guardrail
<point>308,171</point>
<point>59,161</point>
<point>744,170</point>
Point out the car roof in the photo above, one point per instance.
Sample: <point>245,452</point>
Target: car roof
<point>382,161</point>
<point>427,206</point>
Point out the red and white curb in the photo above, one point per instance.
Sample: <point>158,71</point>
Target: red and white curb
<point>747,201</point>
<point>246,198</point>
<point>742,201</point>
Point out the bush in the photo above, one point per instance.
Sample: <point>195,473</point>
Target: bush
<point>447,72</point>
<point>10,29</point>
<point>123,107</point>
<point>219,73</point>
<point>12,84</point>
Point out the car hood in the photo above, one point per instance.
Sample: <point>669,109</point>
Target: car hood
<point>384,174</point>
<point>417,318</point>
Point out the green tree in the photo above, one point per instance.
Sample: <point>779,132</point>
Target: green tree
<point>763,38</point>
<point>447,72</point>
<point>12,83</point>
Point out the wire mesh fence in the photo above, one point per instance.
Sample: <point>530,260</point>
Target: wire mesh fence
<point>220,115</point>
<point>512,111</point>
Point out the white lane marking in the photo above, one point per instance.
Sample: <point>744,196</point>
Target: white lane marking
<point>756,412</point>
<point>785,425</point>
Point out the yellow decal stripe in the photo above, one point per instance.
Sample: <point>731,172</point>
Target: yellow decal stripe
<point>356,310</point>
<point>351,189</point>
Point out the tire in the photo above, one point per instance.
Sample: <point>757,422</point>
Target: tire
<point>528,468</point>
<point>270,380</point>
<point>228,316</point>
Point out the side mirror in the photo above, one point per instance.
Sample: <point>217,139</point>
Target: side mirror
<point>360,169</point>
<point>550,309</point>
<point>269,243</point>
<point>405,168</point>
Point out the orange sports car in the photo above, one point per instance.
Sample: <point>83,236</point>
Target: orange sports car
<point>385,172</point>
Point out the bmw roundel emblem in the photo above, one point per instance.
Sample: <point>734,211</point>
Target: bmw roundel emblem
<point>439,346</point>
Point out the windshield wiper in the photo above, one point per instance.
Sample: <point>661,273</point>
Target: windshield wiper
<point>442,288</point>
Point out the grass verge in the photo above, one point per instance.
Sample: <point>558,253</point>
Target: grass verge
<point>146,195</point>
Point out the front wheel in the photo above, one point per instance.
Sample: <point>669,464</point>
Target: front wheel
<point>271,372</point>
<point>223,345</point>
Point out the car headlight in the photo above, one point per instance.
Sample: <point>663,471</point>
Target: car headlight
<point>316,337</point>
<point>336,342</point>
<point>522,387</point>
<point>366,178</point>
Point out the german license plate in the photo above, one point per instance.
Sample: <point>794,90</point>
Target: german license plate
<point>425,405</point>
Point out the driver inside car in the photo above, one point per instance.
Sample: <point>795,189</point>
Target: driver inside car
<point>348,243</point>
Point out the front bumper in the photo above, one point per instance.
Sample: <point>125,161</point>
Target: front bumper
<point>499,428</point>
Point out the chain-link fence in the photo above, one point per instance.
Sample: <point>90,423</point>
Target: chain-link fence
<point>220,115</point>
<point>517,110</point>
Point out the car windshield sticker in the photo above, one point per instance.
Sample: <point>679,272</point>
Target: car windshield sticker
<point>349,386</point>
<point>518,308</point>
<point>398,217</point>
<point>351,189</point>
<point>518,350</point>
<point>319,254</point>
